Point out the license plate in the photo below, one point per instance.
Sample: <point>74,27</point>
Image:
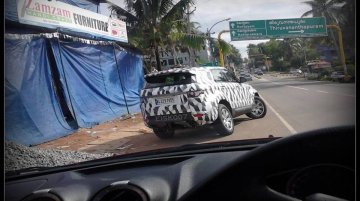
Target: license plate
<point>171,117</point>
<point>168,100</point>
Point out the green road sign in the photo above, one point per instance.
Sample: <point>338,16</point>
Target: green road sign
<point>277,28</point>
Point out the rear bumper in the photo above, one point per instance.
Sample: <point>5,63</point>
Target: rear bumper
<point>195,112</point>
<point>162,120</point>
<point>182,119</point>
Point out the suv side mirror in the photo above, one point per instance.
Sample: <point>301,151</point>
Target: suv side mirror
<point>242,79</point>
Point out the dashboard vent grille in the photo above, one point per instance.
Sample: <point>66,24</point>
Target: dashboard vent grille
<point>121,192</point>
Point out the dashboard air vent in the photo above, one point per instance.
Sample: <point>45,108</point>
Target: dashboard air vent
<point>121,192</point>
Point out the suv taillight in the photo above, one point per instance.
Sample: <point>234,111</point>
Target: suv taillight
<point>192,94</point>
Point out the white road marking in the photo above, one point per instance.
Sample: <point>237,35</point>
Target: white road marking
<point>337,85</point>
<point>287,125</point>
<point>298,88</point>
<point>340,94</point>
<point>322,91</point>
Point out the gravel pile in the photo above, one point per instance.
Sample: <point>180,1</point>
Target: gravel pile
<point>19,157</point>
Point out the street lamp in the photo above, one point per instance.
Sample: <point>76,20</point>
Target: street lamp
<point>208,34</point>
<point>208,31</point>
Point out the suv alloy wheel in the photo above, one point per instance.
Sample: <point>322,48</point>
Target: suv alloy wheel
<point>259,109</point>
<point>225,122</point>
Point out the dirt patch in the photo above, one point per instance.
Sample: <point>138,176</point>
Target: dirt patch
<point>124,136</point>
<point>100,134</point>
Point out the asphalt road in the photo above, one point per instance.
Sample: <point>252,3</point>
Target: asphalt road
<point>306,105</point>
<point>294,105</point>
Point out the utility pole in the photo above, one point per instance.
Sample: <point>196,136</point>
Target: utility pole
<point>221,56</point>
<point>265,57</point>
<point>208,34</point>
<point>342,54</point>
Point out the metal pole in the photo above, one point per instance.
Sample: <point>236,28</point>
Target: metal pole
<point>121,83</point>
<point>221,56</point>
<point>227,19</point>
<point>342,54</point>
<point>208,35</point>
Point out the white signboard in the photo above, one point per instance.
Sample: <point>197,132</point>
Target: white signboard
<point>55,14</point>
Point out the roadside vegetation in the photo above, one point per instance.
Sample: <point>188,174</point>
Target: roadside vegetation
<point>288,53</point>
<point>166,26</point>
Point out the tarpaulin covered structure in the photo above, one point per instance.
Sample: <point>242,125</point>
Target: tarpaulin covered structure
<point>32,112</point>
<point>101,82</point>
<point>56,83</point>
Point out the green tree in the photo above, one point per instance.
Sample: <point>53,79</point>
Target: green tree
<point>235,56</point>
<point>348,30</point>
<point>178,39</point>
<point>231,53</point>
<point>331,10</point>
<point>153,18</point>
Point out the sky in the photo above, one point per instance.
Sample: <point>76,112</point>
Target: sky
<point>208,12</point>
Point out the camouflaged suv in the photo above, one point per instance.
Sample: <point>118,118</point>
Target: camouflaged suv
<point>197,96</point>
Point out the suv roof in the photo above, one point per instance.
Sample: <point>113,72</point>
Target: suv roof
<point>183,70</point>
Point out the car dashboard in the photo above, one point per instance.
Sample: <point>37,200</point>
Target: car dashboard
<point>309,166</point>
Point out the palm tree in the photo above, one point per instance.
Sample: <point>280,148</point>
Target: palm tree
<point>193,40</point>
<point>331,10</point>
<point>348,29</point>
<point>155,19</point>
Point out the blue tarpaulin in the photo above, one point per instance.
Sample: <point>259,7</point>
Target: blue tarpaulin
<point>32,111</point>
<point>130,68</point>
<point>91,80</point>
<point>98,82</point>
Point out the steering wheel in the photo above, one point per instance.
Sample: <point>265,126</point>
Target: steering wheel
<point>246,177</point>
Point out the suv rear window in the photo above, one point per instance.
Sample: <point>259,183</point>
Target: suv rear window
<point>168,80</point>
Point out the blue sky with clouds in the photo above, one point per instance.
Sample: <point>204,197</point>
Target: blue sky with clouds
<point>209,12</point>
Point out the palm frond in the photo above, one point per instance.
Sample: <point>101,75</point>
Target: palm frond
<point>311,3</point>
<point>138,9</point>
<point>337,14</point>
<point>194,41</point>
<point>144,9</point>
<point>224,46</point>
<point>178,10</point>
<point>129,5</point>
<point>164,7</point>
<point>307,13</point>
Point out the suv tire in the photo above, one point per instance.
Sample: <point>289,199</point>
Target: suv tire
<point>258,110</point>
<point>224,124</point>
<point>164,132</point>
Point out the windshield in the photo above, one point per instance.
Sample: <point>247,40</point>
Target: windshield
<point>223,75</point>
<point>95,79</point>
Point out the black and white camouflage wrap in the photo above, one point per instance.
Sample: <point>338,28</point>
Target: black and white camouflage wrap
<point>237,95</point>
